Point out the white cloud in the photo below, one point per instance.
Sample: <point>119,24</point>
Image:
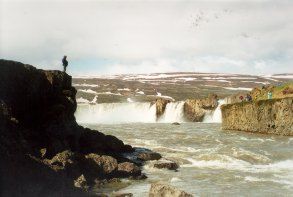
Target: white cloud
<point>150,36</point>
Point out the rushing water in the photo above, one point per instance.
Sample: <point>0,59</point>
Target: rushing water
<point>212,162</point>
<point>113,113</point>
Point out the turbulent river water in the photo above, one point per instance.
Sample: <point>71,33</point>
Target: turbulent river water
<point>212,162</point>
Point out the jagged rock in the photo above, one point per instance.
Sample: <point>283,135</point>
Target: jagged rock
<point>161,106</point>
<point>195,109</point>
<point>43,152</point>
<point>41,145</point>
<point>81,182</point>
<point>147,156</point>
<point>167,164</point>
<point>102,164</point>
<point>272,116</point>
<point>164,190</point>
<point>127,168</point>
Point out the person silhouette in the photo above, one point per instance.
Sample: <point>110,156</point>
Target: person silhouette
<point>65,63</point>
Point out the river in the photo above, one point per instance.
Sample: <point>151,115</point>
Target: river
<point>212,161</point>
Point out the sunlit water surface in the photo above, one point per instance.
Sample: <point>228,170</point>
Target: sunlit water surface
<point>212,162</point>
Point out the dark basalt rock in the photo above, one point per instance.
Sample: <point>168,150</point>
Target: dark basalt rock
<point>42,148</point>
<point>166,164</point>
<point>147,156</point>
<point>128,169</point>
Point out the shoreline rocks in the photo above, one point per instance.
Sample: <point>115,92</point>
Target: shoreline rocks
<point>165,190</point>
<point>41,145</point>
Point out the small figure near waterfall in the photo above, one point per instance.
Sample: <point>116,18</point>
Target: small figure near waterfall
<point>248,97</point>
<point>65,63</point>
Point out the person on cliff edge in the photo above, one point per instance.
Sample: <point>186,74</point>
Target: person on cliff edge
<point>65,63</point>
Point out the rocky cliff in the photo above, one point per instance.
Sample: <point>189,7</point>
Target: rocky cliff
<point>195,109</point>
<point>43,151</point>
<point>273,116</point>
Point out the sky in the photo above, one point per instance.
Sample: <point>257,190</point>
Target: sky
<point>118,37</point>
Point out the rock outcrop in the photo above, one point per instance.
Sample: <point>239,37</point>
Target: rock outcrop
<point>195,109</point>
<point>43,151</point>
<point>272,116</point>
<point>161,106</point>
<point>166,164</point>
<point>164,190</point>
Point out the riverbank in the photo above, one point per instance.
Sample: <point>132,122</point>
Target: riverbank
<point>44,152</point>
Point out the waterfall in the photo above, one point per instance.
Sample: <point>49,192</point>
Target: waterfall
<point>110,113</point>
<point>216,115</point>
<point>173,112</point>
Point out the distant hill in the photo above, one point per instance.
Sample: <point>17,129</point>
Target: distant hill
<point>174,86</point>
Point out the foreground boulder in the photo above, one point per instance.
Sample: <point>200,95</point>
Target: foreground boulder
<point>164,190</point>
<point>265,116</point>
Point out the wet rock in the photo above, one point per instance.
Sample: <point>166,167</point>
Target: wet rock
<point>164,190</point>
<point>41,143</point>
<point>101,163</point>
<point>43,152</point>
<point>92,141</point>
<point>166,164</point>
<point>139,177</point>
<point>67,162</point>
<point>175,123</point>
<point>195,109</point>
<point>161,106</point>
<point>147,156</point>
<point>128,169</point>
<point>81,182</point>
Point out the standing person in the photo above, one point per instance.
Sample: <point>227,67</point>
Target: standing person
<point>241,98</point>
<point>248,97</point>
<point>65,63</point>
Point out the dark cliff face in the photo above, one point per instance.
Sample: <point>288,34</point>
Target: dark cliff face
<point>36,123</point>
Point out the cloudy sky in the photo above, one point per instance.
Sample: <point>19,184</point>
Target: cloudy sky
<point>110,37</point>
